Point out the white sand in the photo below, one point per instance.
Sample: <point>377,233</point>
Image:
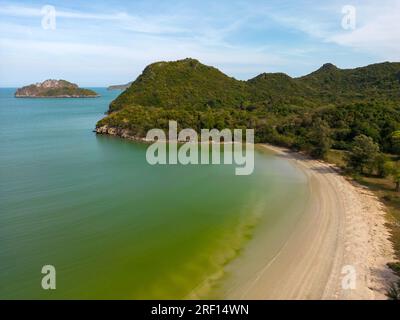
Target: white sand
<point>342,225</point>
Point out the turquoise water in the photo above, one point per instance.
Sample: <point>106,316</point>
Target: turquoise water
<point>112,225</point>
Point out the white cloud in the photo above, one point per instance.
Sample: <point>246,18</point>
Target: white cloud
<point>377,31</point>
<point>377,26</point>
<point>148,24</point>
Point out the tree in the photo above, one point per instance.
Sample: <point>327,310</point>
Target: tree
<point>320,138</point>
<point>393,170</point>
<point>380,165</point>
<point>363,153</point>
<point>395,141</point>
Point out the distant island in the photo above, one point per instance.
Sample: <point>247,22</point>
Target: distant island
<point>54,89</point>
<point>120,86</point>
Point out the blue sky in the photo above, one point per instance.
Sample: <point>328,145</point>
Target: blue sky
<point>97,43</point>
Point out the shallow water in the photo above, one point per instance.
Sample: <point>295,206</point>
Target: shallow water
<point>111,224</point>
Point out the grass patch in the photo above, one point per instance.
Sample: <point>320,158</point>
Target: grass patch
<point>337,157</point>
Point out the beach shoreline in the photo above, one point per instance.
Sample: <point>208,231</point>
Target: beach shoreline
<point>341,232</point>
<point>340,237</point>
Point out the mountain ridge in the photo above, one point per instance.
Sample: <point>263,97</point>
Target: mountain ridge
<point>177,84</point>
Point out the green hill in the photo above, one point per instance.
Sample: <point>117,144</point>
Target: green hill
<point>182,84</point>
<point>191,85</point>
<point>374,82</point>
<point>281,109</point>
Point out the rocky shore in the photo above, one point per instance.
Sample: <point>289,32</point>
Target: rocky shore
<point>118,132</point>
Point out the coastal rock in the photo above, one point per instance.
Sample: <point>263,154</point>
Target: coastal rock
<point>118,132</point>
<point>102,130</point>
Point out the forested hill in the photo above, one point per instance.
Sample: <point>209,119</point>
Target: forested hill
<point>281,109</point>
<point>376,81</point>
<point>182,84</point>
<point>190,84</point>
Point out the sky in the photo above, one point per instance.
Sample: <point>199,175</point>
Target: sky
<point>99,43</point>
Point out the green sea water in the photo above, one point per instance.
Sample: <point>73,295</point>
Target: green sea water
<point>113,226</point>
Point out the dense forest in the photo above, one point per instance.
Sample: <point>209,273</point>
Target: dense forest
<point>327,108</point>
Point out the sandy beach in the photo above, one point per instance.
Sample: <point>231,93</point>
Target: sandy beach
<point>341,236</point>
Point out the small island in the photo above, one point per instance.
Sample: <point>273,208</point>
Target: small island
<point>120,86</point>
<point>54,89</point>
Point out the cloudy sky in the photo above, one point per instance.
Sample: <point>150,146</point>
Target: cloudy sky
<point>97,43</point>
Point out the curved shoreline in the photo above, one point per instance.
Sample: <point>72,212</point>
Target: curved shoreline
<point>342,230</point>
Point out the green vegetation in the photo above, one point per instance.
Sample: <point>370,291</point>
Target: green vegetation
<point>394,291</point>
<point>119,86</point>
<point>185,84</point>
<point>363,155</point>
<point>374,82</point>
<point>328,107</point>
<point>138,119</point>
<point>68,92</point>
<point>393,170</point>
